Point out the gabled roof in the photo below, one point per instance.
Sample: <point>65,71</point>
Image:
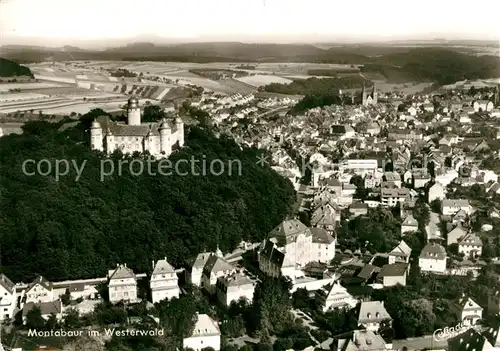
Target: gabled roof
<point>401,250</point>
<point>393,270</point>
<point>42,282</point>
<point>205,326</point>
<point>288,228</point>
<point>410,221</point>
<point>216,264</point>
<point>6,283</point>
<point>471,239</point>
<point>466,303</point>
<point>433,251</point>
<point>372,312</point>
<point>121,272</point>
<point>321,236</point>
<point>45,307</point>
<point>163,267</point>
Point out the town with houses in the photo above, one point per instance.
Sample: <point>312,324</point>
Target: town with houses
<point>420,159</point>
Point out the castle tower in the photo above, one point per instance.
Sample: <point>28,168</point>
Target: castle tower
<point>96,140</point>
<point>497,95</point>
<point>374,93</point>
<point>133,112</point>
<point>165,138</point>
<point>180,131</point>
<point>110,142</point>
<point>151,144</point>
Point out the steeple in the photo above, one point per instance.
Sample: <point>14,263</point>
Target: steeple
<point>363,95</point>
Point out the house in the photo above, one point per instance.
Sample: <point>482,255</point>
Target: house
<point>197,265</point>
<point>205,334</point>
<point>323,245</point>
<point>234,287</point>
<point>358,209</point>
<point>436,192</point>
<point>372,314</point>
<point>393,274</point>
<point>164,281</point>
<point>46,308</point>
<point>409,224</point>
<point>469,340</point>
<point>393,177</point>
<point>39,290</point>
<point>449,207</point>
<point>455,234</point>
<point>215,268</point>
<point>334,296</point>
<point>432,259</point>
<point>421,177</point>
<point>82,291</point>
<point>325,217</point>
<point>394,196</point>
<point>122,284</point>
<point>8,299</point>
<point>400,254</point>
<point>470,245</point>
<point>470,311</point>
<point>483,106</point>
<point>362,340</point>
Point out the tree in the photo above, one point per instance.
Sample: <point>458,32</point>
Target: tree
<point>436,206</point>
<point>34,319</point>
<point>71,318</point>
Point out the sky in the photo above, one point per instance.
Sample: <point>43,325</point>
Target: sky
<point>74,21</point>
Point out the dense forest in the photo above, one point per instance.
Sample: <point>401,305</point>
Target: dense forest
<point>11,69</point>
<point>313,101</point>
<point>68,228</point>
<point>316,86</point>
<point>435,65</point>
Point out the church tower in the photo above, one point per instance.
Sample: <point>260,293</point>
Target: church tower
<point>96,140</point>
<point>363,95</point>
<point>133,112</point>
<point>374,93</point>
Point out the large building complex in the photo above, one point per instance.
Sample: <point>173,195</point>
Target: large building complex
<point>156,138</point>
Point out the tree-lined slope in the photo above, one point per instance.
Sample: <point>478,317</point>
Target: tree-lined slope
<point>69,229</point>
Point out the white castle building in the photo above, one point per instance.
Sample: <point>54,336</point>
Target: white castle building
<point>156,138</point>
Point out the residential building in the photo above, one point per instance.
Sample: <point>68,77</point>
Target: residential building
<point>393,274</point>
<point>323,245</point>
<point>215,268</point>
<point>449,207</point>
<point>432,259</point>
<point>82,291</point>
<point>164,281</point>
<point>362,340</point>
<point>235,287</point>
<point>400,254</point>
<point>470,311</point>
<point>206,333</point>
<point>436,192</point>
<point>409,224</point>
<point>334,296</point>
<point>455,234</point>
<point>483,106</point>
<point>372,314</point>
<point>39,290</point>
<point>122,284</point>
<point>471,246</point>
<point>8,298</point>
<point>194,275</point>
<point>394,196</point>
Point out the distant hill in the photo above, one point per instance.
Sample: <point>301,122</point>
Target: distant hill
<point>443,64</point>
<point>12,69</point>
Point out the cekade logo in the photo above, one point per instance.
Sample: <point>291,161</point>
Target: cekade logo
<point>448,333</point>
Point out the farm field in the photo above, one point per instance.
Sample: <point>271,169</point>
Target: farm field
<point>5,87</point>
<point>260,80</point>
<point>407,88</point>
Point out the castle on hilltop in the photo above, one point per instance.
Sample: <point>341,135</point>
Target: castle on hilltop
<point>156,138</point>
<point>369,99</point>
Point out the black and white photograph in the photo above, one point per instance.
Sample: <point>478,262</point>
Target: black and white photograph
<point>249,175</point>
